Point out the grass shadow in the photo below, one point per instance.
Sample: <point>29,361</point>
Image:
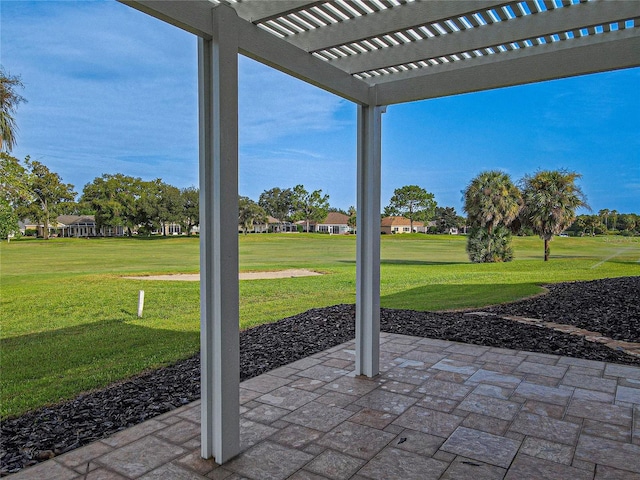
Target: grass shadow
<point>64,361</point>
<point>458,296</point>
<point>391,261</point>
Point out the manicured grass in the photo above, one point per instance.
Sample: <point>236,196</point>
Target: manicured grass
<point>69,319</point>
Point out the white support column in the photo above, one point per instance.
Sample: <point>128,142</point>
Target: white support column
<point>368,241</point>
<point>219,311</point>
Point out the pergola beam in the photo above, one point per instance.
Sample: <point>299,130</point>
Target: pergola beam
<point>259,10</point>
<point>531,26</point>
<point>194,17</point>
<point>392,20</point>
<point>545,62</point>
<point>268,49</point>
<point>258,44</point>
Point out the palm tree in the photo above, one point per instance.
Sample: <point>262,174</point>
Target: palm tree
<point>9,101</point>
<point>614,214</point>
<point>485,247</point>
<point>492,203</point>
<point>551,198</point>
<point>604,214</point>
<point>492,199</point>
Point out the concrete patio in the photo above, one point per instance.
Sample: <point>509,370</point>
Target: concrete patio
<point>438,410</point>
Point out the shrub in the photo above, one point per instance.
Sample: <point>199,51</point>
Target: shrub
<point>485,247</point>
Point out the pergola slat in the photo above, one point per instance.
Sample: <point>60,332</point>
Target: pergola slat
<point>531,26</point>
<point>260,10</point>
<point>527,65</point>
<point>385,21</point>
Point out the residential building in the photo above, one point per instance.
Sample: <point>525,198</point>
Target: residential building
<point>336,223</point>
<point>392,225</point>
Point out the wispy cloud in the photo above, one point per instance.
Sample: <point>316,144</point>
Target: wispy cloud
<point>122,94</point>
<point>274,106</point>
<point>113,90</point>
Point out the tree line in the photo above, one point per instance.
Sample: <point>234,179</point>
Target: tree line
<point>33,191</point>
<point>606,221</point>
<point>544,203</point>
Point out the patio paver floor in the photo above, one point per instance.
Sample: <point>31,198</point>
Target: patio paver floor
<point>438,410</point>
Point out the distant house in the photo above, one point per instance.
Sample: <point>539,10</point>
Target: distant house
<point>26,224</point>
<point>393,225</point>
<point>76,226</point>
<point>276,226</point>
<point>169,229</point>
<point>256,228</point>
<point>85,226</point>
<point>336,223</point>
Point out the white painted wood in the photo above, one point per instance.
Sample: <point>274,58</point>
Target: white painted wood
<point>596,53</point>
<point>193,16</point>
<point>268,49</point>
<point>531,26</point>
<point>256,10</point>
<point>386,21</point>
<point>219,315</point>
<point>368,241</point>
<point>545,62</point>
<point>256,43</point>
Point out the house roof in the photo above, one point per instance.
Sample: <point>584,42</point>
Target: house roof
<point>398,222</point>
<point>393,51</point>
<point>335,218</point>
<point>75,219</point>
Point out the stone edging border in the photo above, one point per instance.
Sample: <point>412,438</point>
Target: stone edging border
<point>620,345</point>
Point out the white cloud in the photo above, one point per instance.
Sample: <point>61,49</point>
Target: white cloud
<point>275,106</point>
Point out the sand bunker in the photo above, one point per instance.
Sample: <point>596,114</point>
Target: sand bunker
<point>195,277</point>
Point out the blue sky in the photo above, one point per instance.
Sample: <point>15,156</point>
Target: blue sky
<point>112,90</point>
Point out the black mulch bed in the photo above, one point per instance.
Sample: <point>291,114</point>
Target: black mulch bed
<point>610,306</point>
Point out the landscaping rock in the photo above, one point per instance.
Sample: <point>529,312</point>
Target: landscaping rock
<point>611,307</point>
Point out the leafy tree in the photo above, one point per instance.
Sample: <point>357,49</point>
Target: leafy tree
<point>8,219</point>
<point>310,207</point>
<point>157,206</point>
<point>190,208</point>
<point>593,222</point>
<point>551,198</point>
<point>447,218</point>
<point>614,214</point>
<point>337,210</point>
<point>49,195</point>
<point>278,203</point>
<point>491,200</point>
<point>9,101</point>
<point>579,225</point>
<point>489,247</point>
<point>352,217</point>
<point>412,202</point>
<point>14,179</point>
<point>250,213</point>
<point>628,222</point>
<point>14,185</point>
<point>113,198</point>
<point>170,207</point>
<point>604,215</point>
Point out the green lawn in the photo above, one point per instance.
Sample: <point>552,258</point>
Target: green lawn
<point>69,320</point>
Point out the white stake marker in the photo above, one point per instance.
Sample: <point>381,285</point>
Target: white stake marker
<point>140,303</point>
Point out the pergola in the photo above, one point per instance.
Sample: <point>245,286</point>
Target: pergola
<point>374,53</point>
